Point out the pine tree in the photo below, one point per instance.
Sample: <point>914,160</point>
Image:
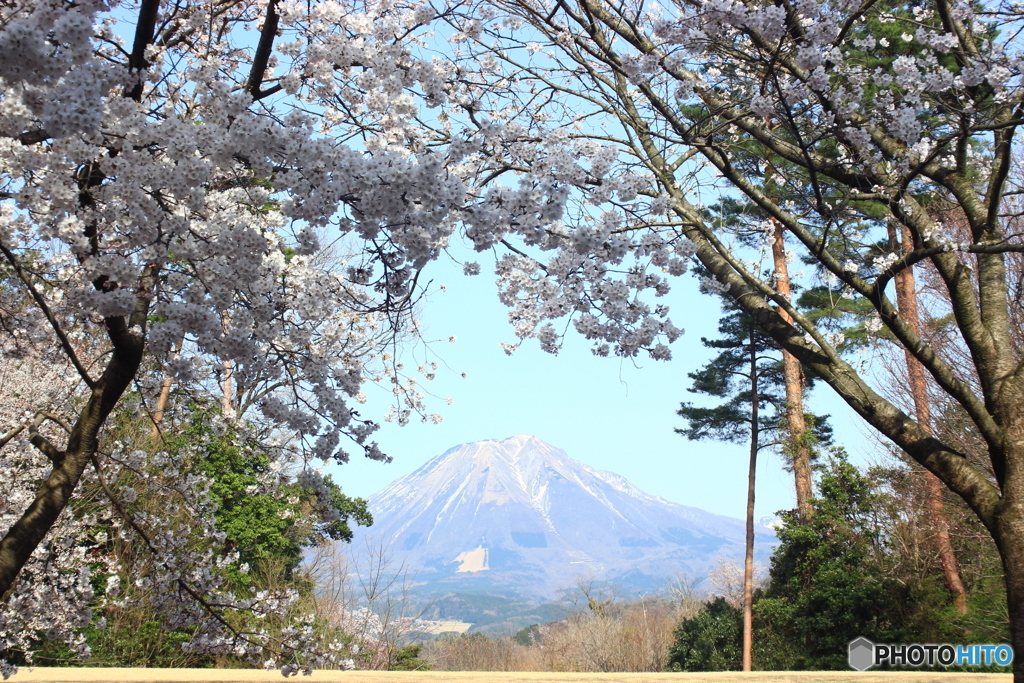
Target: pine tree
<point>749,374</point>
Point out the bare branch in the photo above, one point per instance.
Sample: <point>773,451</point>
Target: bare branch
<point>144,29</point>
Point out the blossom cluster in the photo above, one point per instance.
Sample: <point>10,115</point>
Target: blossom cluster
<point>206,210</point>
<point>155,541</point>
<point>801,110</point>
<point>171,197</point>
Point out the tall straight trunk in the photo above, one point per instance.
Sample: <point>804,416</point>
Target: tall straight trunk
<point>906,299</point>
<point>226,402</point>
<point>228,366</point>
<point>161,399</point>
<point>792,376</point>
<point>748,559</point>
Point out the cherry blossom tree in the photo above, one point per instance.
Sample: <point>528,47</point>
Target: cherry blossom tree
<point>836,120</point>
<point>167,177</point>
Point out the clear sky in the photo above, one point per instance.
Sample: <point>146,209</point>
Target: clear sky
<point>610,413</point>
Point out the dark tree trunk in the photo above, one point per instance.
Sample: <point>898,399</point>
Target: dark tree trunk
<point>1008,527</point>
<point>53,495</point>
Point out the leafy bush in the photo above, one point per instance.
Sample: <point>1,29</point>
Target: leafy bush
<point>710,641</point>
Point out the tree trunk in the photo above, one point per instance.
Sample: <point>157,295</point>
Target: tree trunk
<point>226,386</point>
<point>792,375</point>
<point>161,404</point>
<point>748,559</point>
<point>161,400</point>
<point>53,494</point>
<point>1009,535</point>
<point>906,299</point>
<point>227,365</point>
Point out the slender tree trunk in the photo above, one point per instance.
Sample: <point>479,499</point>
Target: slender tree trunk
<point>748,559</point>
<point>161,404</point>
<point>161,400</point>
<point>226,385</point>
<point>226,381</point>
<point>792,375</point>
<point>906,299</point>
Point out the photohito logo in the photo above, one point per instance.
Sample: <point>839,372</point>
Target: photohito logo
<point>864,654</point>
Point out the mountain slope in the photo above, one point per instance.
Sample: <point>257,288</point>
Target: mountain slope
<point>518,515</point>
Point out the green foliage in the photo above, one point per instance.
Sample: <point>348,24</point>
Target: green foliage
<point>825,589</point>
<point>132,642</point>
<point>710,641</point>
<point>530,635</point>
<point>407,658</point>
<point>727,376</point>
<point>267,526</point>
<point>840,309</point>
<point>844,574</point>
<point>862,566</point>
<point>127,637</point>
<point>261,526</point>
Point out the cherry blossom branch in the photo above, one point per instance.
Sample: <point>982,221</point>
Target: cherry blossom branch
<point>875,293</point>
<point>58,421</point>
<point>949,465</point>
<point>65,343</point>
<point>33,137</point>
<point>261,59</point>
<point>209,607</point>
<point>967,308</point>
<point>11,433</point>
<point>42,443</point>
<point>804,159</point>
<point>918,255</point>
<point>137,62</point>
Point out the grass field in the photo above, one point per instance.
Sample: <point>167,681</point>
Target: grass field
<point>97,675</point>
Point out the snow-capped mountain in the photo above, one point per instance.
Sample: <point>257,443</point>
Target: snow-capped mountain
<point>519,515</point>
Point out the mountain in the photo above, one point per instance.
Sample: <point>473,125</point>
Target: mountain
<point>517,516</point>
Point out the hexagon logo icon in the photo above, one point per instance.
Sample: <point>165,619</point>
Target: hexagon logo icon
<point>862,654</point>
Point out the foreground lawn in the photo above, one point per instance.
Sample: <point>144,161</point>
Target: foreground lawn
<point>97,675</point>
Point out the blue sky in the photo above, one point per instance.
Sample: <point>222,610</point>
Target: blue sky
<point>610,413</point>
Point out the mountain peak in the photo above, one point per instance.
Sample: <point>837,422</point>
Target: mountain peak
<point>519,438</point>
<point>519,512</point>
